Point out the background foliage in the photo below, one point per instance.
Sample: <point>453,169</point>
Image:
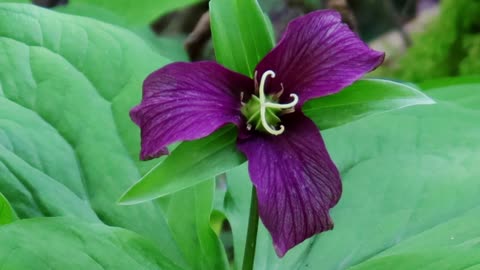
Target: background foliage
<point>450,46</point>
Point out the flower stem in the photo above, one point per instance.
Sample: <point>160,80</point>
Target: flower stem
<point>250,244</point>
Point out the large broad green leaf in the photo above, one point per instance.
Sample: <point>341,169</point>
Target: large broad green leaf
<point>62,243</point>
<point>169,47</point>
<point>410,198</point>
<point>7,214</point>
<point>241,34</point>
<point>29,169</point>
<point>448,89</point>
<point>450,245</point>
<point>67,145</point>
<point>189,164</point>
<point>93,11</point>
<point>363,98</point>
<point>188,214</point>
<point>139,11</point>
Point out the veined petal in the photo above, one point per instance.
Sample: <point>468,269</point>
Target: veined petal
<point>187,101</point>
<point>318,55</point>
<point>297,182</point>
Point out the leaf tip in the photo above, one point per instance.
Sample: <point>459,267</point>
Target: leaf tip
<point>128,199</point>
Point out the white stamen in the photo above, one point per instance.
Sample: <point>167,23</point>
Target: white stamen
<point>262,84</point>
<point>266,126</point>
<point>283,106</point>
<point>264,105</point>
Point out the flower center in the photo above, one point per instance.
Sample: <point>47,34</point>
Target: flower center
<point>262,112</point>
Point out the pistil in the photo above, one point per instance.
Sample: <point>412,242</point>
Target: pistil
<point>262,110</point>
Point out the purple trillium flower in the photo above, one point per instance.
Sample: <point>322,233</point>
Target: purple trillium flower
<point>297,182</point>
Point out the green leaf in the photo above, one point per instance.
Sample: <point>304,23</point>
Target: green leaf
<point>188,214</point>
<point>33,192</point>
<point>15,1</point>
<point>7,214</point>
<point>63,243</point>
<point>67,145</point>
<point>410,199</point>
<point>189,164</point>
<point>169,47</point>
<point>241,34</point>
<point>450,81</point>
<point>363,98</point>
<point>450,245</point>
<point>236,207</point>
<point>138,12</point>
<point>448,89</point>
<point>92,11</point>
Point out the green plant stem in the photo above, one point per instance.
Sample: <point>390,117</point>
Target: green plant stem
<point>251,243</point>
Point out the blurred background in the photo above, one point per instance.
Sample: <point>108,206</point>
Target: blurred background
<point>423,39</point>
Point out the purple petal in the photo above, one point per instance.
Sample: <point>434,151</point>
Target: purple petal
<point>297,182</point>
<point>187,101</point>
<point>318,55</point>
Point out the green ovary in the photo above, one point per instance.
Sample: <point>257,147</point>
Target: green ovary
<point>251,111</point>
<point>262,111</point>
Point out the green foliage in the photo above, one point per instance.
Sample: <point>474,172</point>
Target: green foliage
<point>470,64</point>
<point>139,12</point>
<point>15,1</point>
<point>363,98</point>
<point>64,243</point>
<point>450,47</point>
<point>68,148</point>
<point>188,212</point>
<point>170,47</point>
<point>410,196</point>
<point>7,214</point>
<point>69,96</point>
<point>241,34</point>
<point>92,11</point>
<point>189,164</point>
